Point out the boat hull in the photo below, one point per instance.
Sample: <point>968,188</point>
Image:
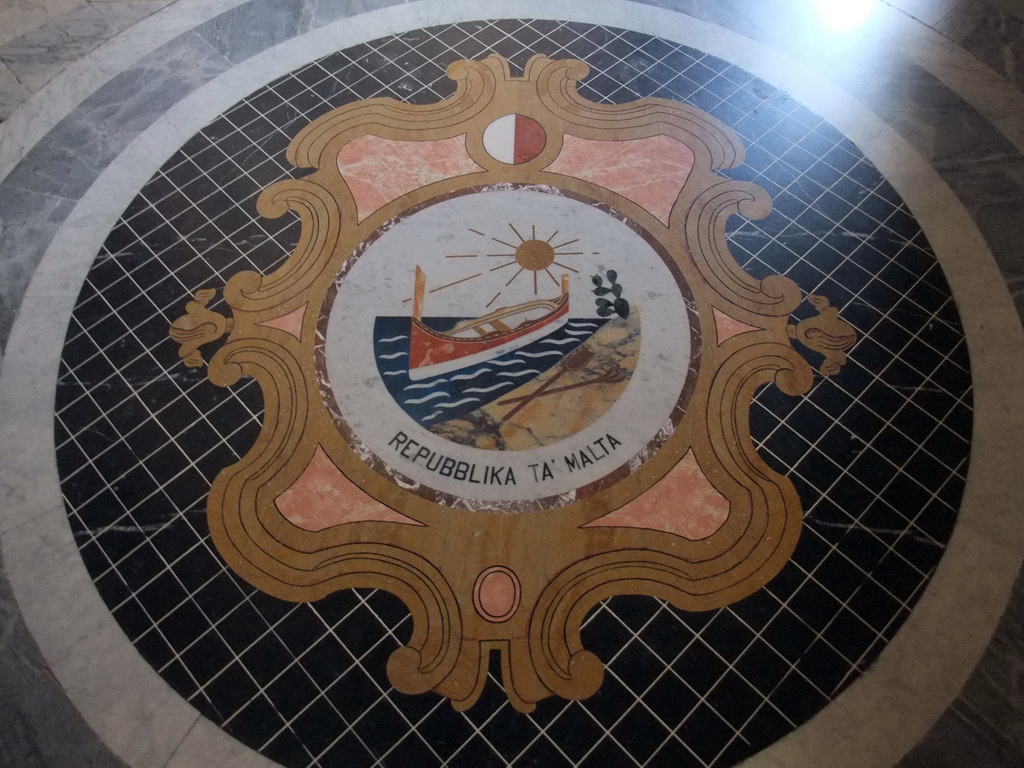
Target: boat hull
<point>433,354</point>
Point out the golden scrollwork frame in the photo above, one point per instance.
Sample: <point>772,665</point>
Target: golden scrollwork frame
<point>562,565</point>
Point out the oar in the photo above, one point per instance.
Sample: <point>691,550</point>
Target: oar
<point>608,377</point>
<point>576,360</point>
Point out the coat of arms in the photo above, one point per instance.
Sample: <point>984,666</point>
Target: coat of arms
<point>507,374</point>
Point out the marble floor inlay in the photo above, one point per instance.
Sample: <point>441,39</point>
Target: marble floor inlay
<point>514,392</point>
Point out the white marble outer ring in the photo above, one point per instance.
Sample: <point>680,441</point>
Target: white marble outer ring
<point>873,723</point>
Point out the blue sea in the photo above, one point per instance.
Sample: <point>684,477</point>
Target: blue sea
<point>451,395</point>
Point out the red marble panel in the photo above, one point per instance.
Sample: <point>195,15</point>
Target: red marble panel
<point>683,502</point>
<point>650,171</point>
<point>728,326</point>
<point>290,323</point>
<point>322,497</point>
<point>381,170</point>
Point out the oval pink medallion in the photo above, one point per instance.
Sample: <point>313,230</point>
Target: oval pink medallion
<point>514,139</point>
<point>496,593</point>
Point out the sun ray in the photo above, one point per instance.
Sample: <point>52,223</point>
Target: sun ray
<point>449,285</point>
<point>525,255</point>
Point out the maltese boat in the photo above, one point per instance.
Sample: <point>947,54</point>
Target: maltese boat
<point>479,339</point>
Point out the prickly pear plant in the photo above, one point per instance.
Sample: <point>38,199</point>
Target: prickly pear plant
<point>604,306</point>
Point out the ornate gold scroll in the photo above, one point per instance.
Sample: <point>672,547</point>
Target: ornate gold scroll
<point>520,583</point>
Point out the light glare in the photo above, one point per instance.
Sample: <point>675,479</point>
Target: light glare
<point>845,15</point>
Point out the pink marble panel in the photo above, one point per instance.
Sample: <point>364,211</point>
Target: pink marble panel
<point>729,326</point>
<point>683,502</point>
<point>380,170</point>
<point>650,171</point>
<point>290,323</point>
<point>322,497</point>
<point>497,594</point>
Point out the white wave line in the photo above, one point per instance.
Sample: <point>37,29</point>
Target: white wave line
<point>431,396</point>
<point>393,338</point>
<point>559,342</point>
<point>467,376</point>
<point>575,324</point>
<point>541,354</point>
<point>463,401</point>
<point>499,385</point>
<point>517,374</point>
<point>425,385</point>
<point>503,363</point>
<point>393,355</point>
<point>393,373</point>
<point>432,416</point>
<point>580,333</point>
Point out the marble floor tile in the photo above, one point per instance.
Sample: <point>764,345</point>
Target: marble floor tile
<point>40,55</point>
<point>12,93</point>
<point>993,34</point>
<point>41,728</point>
<point>1012,7</point>
<point>237,41</point>
<point>985,726</point>
<point>1016,286</point>
<point>26,216</point>
<point>926,11</point>
<point>19,17</point>
<point>115,116</point>
<point>122,14</point>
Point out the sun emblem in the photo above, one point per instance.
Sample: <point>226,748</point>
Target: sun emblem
<point>534,255</point>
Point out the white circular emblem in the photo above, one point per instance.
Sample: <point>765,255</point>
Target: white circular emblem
<point>509,344</point>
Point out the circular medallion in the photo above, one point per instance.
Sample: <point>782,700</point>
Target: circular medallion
<point>875,451</point>
<point>509,344</point>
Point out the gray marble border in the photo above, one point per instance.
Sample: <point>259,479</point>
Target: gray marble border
<point>991,31</point>
<point>122,697</point>
<point>54,101</point>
